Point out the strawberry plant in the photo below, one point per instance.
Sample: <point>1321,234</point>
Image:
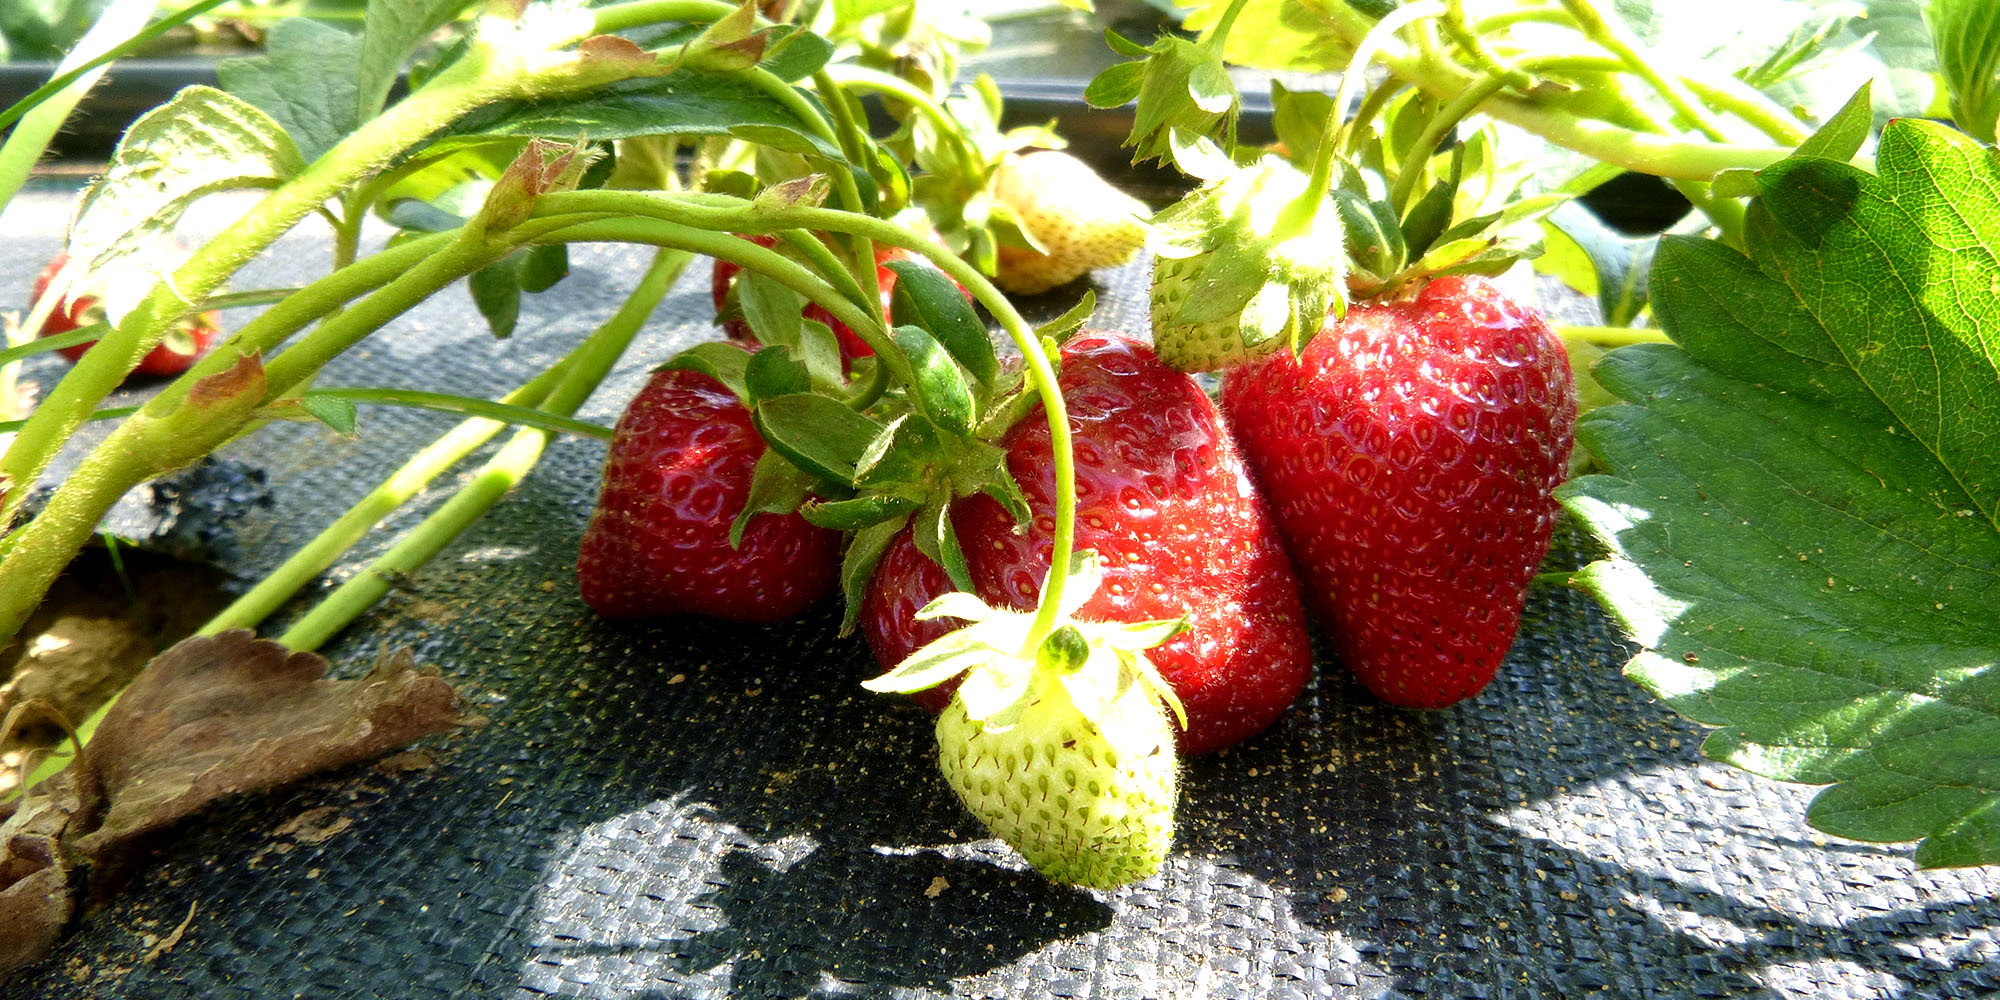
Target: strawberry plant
<point>1794,484</point>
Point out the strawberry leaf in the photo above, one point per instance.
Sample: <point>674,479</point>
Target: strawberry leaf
<point>201,142</point>
<point>391,30</point>
<point>820,435</point>
<point>1803,509</point>
<point>936,383</point>
<point>925,297</point>
<point>305,81</point>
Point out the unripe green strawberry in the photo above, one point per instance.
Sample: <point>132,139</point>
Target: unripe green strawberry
<point>1245,266</point>
<point>1086,801</point>
<point>1079,219</point>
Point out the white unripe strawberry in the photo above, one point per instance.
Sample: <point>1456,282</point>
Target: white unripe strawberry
<point>1080,220</point>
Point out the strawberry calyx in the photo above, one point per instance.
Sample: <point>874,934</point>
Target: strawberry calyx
<point>1179,84</point>
<point>997,658</point>
<point>1246,265</point>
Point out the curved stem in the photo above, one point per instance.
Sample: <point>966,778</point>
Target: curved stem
<point>854,142</point>
<point>1460,34</point>
<point>312,559</point>
<point>640,13</point>
<point>1615,41</point>
<point>1444,121</point>
<point>580,375</point>
<point>715,240</point>
<point>1377,38</point>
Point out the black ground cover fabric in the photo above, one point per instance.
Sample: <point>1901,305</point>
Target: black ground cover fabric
<point>691,809</point>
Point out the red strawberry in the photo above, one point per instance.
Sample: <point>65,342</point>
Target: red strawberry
<point>677,475</point>
<point>1165,499</point>
<point>175,353</point>
<point>1410,456</point>
<point>851,344</point>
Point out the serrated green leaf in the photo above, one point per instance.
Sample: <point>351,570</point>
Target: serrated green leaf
<point>334,412</point>
<point>201,142</point>
<point>391,30</point>
<point>305,81</point>
<point>1803,508</point>
<point>795,53</point>
<point>683,102</point>
<point>820,435</point>
<point>926,297</point>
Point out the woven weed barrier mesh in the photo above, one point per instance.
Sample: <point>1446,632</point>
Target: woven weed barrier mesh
<point>683,808</point>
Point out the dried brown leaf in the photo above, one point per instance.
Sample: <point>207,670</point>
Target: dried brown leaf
<point>228,714</point>
<point>35,901</point>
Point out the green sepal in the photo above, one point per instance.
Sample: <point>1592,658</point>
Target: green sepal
<point>936,383</point>
<point>934,536</point>
<point>1124,46</point>
<point>982,468</point>
<point>1065,326</point>
<point>819,351</point>
<point>819,435</point>
<point>496,288</point>
<point>903,454</point>
<point>1183,86</point>
<point>858,512</point>
<point>776,487</point>
<point>773,372</point>
<point>338,414</point>
<point>772,310</point>
<point>926,297</point>
<point>1374,236</point>
<point>725,363</point>
<point>865,549</point>
<point>1116,85</point>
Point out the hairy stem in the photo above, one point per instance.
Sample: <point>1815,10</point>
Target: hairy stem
<point>581,374</point>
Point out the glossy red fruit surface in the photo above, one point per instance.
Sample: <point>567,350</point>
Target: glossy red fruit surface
<point>1165,499</point>
<point>175,353</point>
<point>677,475</point>
<point>1410,456</point>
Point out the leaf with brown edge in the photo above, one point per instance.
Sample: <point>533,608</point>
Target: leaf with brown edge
<point>223,715</point>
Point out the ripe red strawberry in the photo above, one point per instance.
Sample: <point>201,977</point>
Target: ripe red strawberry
<point>677,475</point>
<point>851,344</point>
<point>1083,222</point>
<point>1410,456</point>
<point>175,353</point>
<point>1165,499</point>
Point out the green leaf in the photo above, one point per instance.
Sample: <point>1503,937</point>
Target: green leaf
<point>795,53</point>
<point>391,30</point>
<point>820,435</point>
<point>1279,35</point>
<point>865,549</point>
<point>858,512</point>
<point>497,287</point>
<point>1065,326</point>
<point>937,385</point>
<point>1619,264</point>
<point>305,81</point>
<point>1966,35</point>
<point>683,102</point>
<point>927,298</point>
<point>776,487</point>
<point>336,413</point>
<point>1803,506</point>
<point>725,363</point>
<point>773,372</point>
<point>201,142</point>
<point>1846,132</point>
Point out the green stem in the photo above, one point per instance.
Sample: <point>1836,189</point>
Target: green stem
<point>707,230</point>
<point>855,77</point>
<point>1444,121</point>
<point>500,474</point>
<point>1462,35</point>
<point>1218,36</point>
<point>1612,336</point>
<point>315,556</point>
<point>641,13</point>
<point>487,72</point>
<point>1616,41</point>
<point>1376,38</point>
<point>1728,214</point>
<point>1356,128</point>
<point>445,402</point>
<point>854,142</point>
